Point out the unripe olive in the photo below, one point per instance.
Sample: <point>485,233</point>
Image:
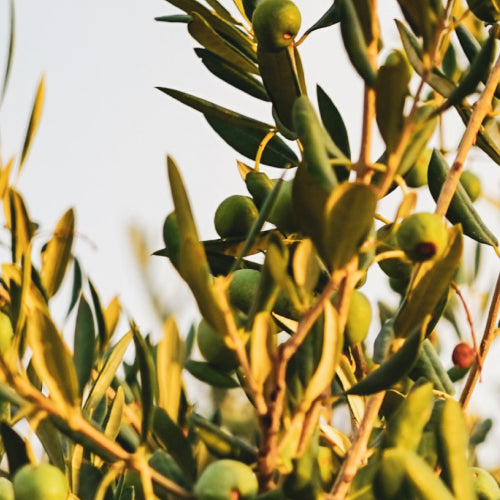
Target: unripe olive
<point>6,489</point>
<point>395,267</point>
<point>463,355</point>
<point>172,238</point>
<point>472,184</point>
<point>235,216</point>
<point>40,482</point>
<point>243,288</point>
<point>422,236</point>
<point>359,318</point>
<point>214,349</point>
<point>486,10</point>
<point>227,480</point>
<point>276,23</point>
<point>484,484</point>
<point>417,175</point>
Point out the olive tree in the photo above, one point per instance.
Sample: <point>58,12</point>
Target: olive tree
<point>319,394</point>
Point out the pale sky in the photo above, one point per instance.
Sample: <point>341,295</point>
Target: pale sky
<point>105,131</point>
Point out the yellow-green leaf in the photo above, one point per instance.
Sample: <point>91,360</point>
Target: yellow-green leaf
<point>52,359</point>
<point>169,360</point>
<point>330,357</point>
<point>57,254</point>
<point>350,211</point>
<point>204,34</point>
<point>261,345</point>
<point>36,112</point>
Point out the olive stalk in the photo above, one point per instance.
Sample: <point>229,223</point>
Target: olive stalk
<point>481,110</point>
<point>357,451</point>
<point>78,424</point>
<point>429,61</point>
<point>488,336</point>
<point>364,172</point>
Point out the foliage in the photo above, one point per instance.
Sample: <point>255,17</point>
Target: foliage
<point>278,293</point>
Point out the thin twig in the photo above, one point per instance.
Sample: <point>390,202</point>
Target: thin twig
<point>482,108</point>
<point>471,324</point>
<point>488,336</point>
<point>357,451</point>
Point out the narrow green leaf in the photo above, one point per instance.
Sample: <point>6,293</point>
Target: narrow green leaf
<point>220,442</point>
<point>170,356</point>
<point>339,245</point>
<point>330,355</point>
<point>106,374</point>
<point>461,209</point>
<point>99,315</point>
<point>22,229</point>
<point>261,346</point>
<point>392,370</point>
<point>179,18</point>
<point>115,415</point>
<point>84,343</point>
<point>207,373</point>
<point>278,70</point>
<point>391,89</point>
<point>149,387</point>
<point>15,447</point>
<point>242,80</point>
<point>413,51</point>
<point>193,265</point>
<point>77,285</point>
<point>51,441</point>
<point>211,110</point>
<point>224,27</point>
<point>329,18</point>
<point>10,52</point>
<point>172,438</point>
<point>57,254</point>
<point>208,37</point>
<point>246,141</point>
<point>333,122</point>
<point>36,113</point>
<point>52,359</point>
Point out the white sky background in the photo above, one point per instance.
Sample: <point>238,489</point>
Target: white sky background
<point>105,132</point>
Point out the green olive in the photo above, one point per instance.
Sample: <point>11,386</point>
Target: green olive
<point>235,216</point>
<point>214,349</point>
<point>243,288</point>
<point>484,484</point>
<point>40,482</point>
<point>417,175</point>
<point>172,238</point>
<point>359,318</point>
<point>422,236</point>
<point>276,23</point>
<point>227,480</point>
<point>6,489</point>
<point>472,185</point>
<point>397,268</point>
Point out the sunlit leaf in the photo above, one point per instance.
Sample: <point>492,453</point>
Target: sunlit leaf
<point>52,359</point>
<point>106,374</point>
<point>57,254</point>
<point>204,34</point>
<point>169,360</point>
<point>330,355</point>
<point>350,210</point>
<point>112,315</point>
<point>36,113</point>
